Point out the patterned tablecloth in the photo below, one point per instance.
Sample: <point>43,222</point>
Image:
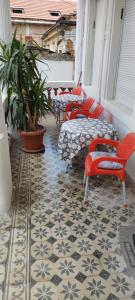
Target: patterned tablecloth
<point>60,101</point>
<point>76,134</point>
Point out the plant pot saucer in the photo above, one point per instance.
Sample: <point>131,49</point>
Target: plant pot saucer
<point>41,150</point>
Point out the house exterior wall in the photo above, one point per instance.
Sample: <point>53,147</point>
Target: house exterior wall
<point>58,43</point>
<point>36,31</point>
<point>51,41</point>
<point>107,47</point>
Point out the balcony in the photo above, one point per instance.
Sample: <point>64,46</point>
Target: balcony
<point>53,246</point>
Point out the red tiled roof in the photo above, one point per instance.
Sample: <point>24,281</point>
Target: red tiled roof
<point>39,9</point>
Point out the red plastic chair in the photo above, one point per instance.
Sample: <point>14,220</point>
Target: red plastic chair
<point>75,91</point>
<point>109,164</point>
<point>83,110</point>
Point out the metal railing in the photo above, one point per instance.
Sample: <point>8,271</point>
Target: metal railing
<point>54,88</point>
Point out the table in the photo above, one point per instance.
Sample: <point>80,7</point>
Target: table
<point>76,135</point>
<point>59,102</point>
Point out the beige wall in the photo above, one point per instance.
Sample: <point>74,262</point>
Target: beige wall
<point>34,30</point>
<point>67,44</point>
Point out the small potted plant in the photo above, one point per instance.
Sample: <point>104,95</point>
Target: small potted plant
<point>26,99</point>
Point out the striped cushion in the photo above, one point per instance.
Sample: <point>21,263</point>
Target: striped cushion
<point>106,164</point>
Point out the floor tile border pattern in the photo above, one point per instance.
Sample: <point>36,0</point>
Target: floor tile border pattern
<point>17,277</point>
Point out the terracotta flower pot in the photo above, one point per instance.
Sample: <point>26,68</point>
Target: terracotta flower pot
<point>32,141</point>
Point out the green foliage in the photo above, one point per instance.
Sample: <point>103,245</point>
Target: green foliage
<point>27,101</point>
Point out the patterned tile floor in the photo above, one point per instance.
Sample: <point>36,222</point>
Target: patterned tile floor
<point>51,245</point>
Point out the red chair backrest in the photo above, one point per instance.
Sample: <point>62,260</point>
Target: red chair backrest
<point>126,146</point>
<point>97,111</point>
<point>88,103</point>
<point>77,91</point>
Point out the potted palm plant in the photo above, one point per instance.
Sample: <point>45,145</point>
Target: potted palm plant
<point>26,99</point>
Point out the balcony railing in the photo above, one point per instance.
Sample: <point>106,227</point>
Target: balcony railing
<point>54,88</point>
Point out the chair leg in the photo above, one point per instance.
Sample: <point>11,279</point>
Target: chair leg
<point>125,204</point>
<point>86,189</point>
<point>84,178</point>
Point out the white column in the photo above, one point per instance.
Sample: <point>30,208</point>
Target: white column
<point>89,36</point>
<point>79,38</point>
<point>5,169</point>
<point>5,20</point>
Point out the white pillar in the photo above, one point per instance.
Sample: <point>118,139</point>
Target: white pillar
<point>89,37</point>
<point>5,168</point>
<point>79,38</point>
<point>5,20</point>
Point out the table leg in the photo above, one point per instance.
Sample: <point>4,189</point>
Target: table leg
<point>69,165</point>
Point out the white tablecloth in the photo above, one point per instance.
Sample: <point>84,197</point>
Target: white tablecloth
<point>76,134</point>
<point>60,101</point>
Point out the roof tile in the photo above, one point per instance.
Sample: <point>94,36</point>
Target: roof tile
<point>39,9</point>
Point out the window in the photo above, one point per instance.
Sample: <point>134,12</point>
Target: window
<point>55,13</point>
<point>17,10</point>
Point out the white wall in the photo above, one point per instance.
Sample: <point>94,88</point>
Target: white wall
<point>5,168</point>
<point>94,89</point>
<point>115,112</point>
<point>57,70</point>
<point>112,115</point>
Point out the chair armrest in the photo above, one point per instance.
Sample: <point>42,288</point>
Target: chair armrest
<point>98,160</point>
<point>74,104</point>
<point>100,141</point>
<point>78,112</point>
<point>64,93</point>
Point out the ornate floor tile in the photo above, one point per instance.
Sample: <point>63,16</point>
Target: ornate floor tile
<point>57,205</point>
<point>89,265</point>
<point>20,235</point>
<point>41,250</point>
<point>77,216</point>
<point>69,289</point>
<point>61,231</point>
<point>121,285</point>
<point>80,230</point>
<point>20,291</point>
<point>39,219</point>
<point>66,268</point>
<point>4,236</point>
<point>96,288</point>
<point>73,205</point>
<point>113,263</point>
<point>20,221</point>
<point>42,270</point>
<point>45,290</point>
<point>39,206</point>
<point>3,253</point>
<point>2,274</point>
<point>63,248</point>
<point>17,273</point>
<point>5,221</point>
<point>58,217</point>
<point>84,246</point>
<point>40,233</point>
<point>18,253</point>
